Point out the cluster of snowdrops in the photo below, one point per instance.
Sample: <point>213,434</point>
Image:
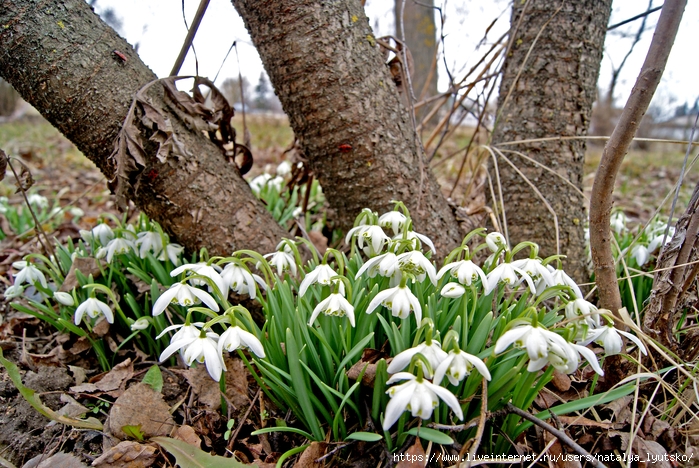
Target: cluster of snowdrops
<point>440,331</point>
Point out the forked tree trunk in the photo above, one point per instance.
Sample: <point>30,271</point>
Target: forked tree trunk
<point>68,64</point>
<point>329,75</point>
<point>548,92</point>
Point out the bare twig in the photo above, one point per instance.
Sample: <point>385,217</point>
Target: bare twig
<point>481,423</point>
<point>618,145</point>
<point>191,32</point>
<point>634,18</point>
<point>559,434</point>
<point>242,421</point>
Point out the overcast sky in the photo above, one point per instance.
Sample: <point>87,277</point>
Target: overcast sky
<point>157,28</point>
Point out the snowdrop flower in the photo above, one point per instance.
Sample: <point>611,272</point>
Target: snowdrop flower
<point>16,290</point>
<point>536,270</point>
<point>240,280</point>
<point>657,240</point>
<point>116,246</point>
<point>432,352</point>
<point>452,290</point>
<point>259,182</point>
<point>393,219</point>
<point>140,324</point>
<point>641,254</point>
<point>416,236</point>
<point>185,330</point>
<point>495,241</point>
<point>38,201</point>
<point>200,347</point>
<point>284,168</point>
<point>608,337</point>
<point>235,337</point>
<point>535,340</point>
<point>63,298</point>
<point>149,241</point>
<point>386,265</point>
<point>465,271</point>
<point>320,274</point>
<point>185,295</point>
<point>618,222</point>
<point>172,251</point>
<point>29,274</point>
<point>93,307</point>
<point>416,263</point>
<point>579,307</point>
<point>418,396</point>
<point>561,278</point>
<point>457,365</point>
<point>373,235</point>
<point>203,269</point>
<point>335,304</point>
<point>400,300</point>
<point>102,233</point>
<point>282,261</point>
<point>507,274</point>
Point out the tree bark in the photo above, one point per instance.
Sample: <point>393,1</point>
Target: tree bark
<point>329,75</point>
<point>549,92</point>
<point>83,77</point>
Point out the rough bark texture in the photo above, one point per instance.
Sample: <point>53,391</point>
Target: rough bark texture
<point>60,57</point>
<point>329,75</point>
<point>420,37</point>
<point>552,97</point>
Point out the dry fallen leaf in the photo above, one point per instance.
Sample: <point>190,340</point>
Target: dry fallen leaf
<point>140,404</point>
<point>312,453</point>
<point>187,434</point>
<point>59,460</point>
<point>208,392</point>
<point>112,380</point>
<point>127,454</point>
<point>415,456</point>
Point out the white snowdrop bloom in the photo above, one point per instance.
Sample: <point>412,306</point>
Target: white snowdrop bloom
<point>420,397</point>
<point>618,221</point>
<point>282,261</point>
<point>320,274</point>
<point>149,241</point>
<point>240,280</point>
<point>28,274</point>
<point>609,337</point>
<point>374,237</point>
<point>385,265</point>
<point>184,295</point>
<point>415,262</point>
<point>173,252</point>
<point>495,241</point>
<point>399,300</point>
<point>561,278</point>
<point>259,182</point>
<point>191,330</point>
<point>115,246</point>
<point>452,290</point>
<point>38,201</point>
<point>641,254</point>
<point>465,271</point>
<point>63,298</point>
<point>102,233</point>
<point>432,352</point>
<point>507,273</point>
<point>579,307</point>
<point>336,305</point>
<point>93,307</point>
<point>195,347</point>
<point>393,219</point>
<point>235,337</point>
<point>415,237</point>
<point>458,365</point>
<point>536,270</point>
<point>657,240</point>
<point>284,168</point>
<point>76,212</point>
<point>140,324</point>
<point>203,269</point>
<point>16,290</point>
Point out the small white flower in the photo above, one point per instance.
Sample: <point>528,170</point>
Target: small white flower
<point>173,252</point>
<point>393,219</point>
<point>608,337</point>
<point>372,235</point>
<point>618,222</point>
<point>28,274</point>
<point>191,330</point>
<point>140,324</point>
<point>203,269</point>
<point>416,236</point>
<point>535,340</point>
<point>64,298</point>
<point>102,233</point>
<point>284,168</point>
<point>657,240</point>
<point>536,270</point>
<point>196,347</point>
<point>235,337</point>
<point>400,300</point>
<point>457,365</point>
<point>465,271</point>
<point>259,182</point>
<point>116,246</point>
<point>320,274</point>
<point>579,307</point>
<point>335,304</point>
<point>16,290</point>
<point>385,265</point>
<point>240,280</point>
<point>76,212</point>
<point>432,352</point>
<point>418,397</point>
<point>415,262</point>
<point>93,307</point>
<point>38,201</point>
<point>641,254</point>
<point>507,274</point>
<point>495,241</point>
<point>282,261</point>
<point>561,278</point>
<point>185,295</point>
<point>149,241</point>
<point>452,290</point>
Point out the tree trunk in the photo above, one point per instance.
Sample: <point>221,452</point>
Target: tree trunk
<point>549,92</point>
<point>328,72</point>
<point>83,77</point>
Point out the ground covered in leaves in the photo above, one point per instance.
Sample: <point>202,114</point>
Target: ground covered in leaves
<point>186,404</point>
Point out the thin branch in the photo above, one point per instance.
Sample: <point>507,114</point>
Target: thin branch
<point>481,423</point>
<point>618,145</point>
<point>634,18</point>
<point>191,32</point>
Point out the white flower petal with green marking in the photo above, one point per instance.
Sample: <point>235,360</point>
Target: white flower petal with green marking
<point>535,269</point>
<point>173,252</point>
<point>415,262</point>
<point>561,278</point>
<point>581,309</point>
<point>185,295</point>
<point>609,337</point>
<point>205,350</point>
<point>373,235</point>
<point>336,305</point>
<point>385,265</point>
<point>458,365</point>
<point>320,274</point>
<point>203,269</point>
<point>235,337</point>
<point>28,274</point>
<point>240,280</point>
<point>433,353</point>
<point>394,220</point>
<point>140,324</point>
<point>495,241</point>
<point>149,241</point>
<point>452,290</point>
<point>507,273</point>
<point>415,237</point>
<point>465,271</point>
<point>282,261</point>
<point>93,307</point>
<point>115,246</point>
<point>400,300</point>
<point>16,290</point>
<point>102,233</point>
